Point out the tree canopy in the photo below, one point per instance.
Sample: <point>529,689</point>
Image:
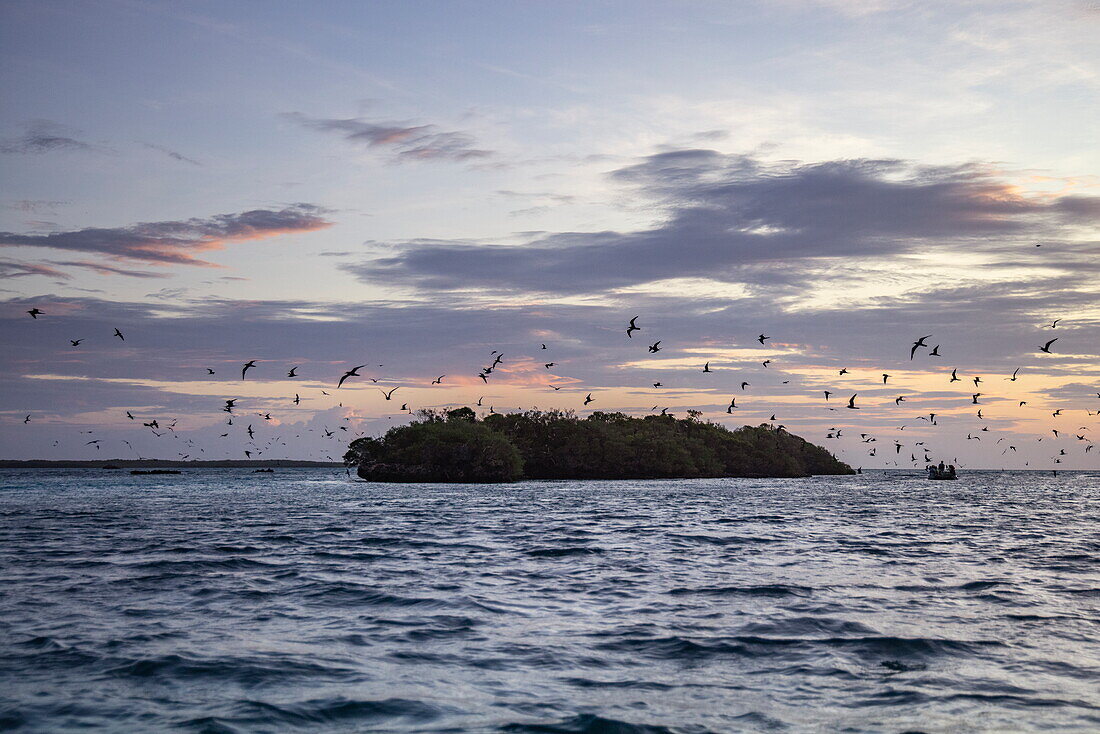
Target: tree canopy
<point>457,446</point>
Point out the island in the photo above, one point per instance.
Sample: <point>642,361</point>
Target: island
<point>457,446</point>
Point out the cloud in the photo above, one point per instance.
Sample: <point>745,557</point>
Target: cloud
<point>172,154</point>
<point>34,206</point>
<point>733,218</point>
<point>15,269</point>
<point>175,242</point>
<point>161,368</point>
<point>108,269</point>
<point>44,136</point>
<point>407,141</point>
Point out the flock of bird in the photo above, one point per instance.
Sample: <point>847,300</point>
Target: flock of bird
<point>257,449</point>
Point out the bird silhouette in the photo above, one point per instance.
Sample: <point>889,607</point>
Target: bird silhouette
<point>706,367</point>
<point>389,395</point>
<point>75,342</point>
<point>438,380</point>
<point>293,371</point>
<point>588,399</point>
<point>917,345</point>
<point>1046,347</point>
<point>852,403</point>
<point>353,372</point>
<point>119,335</point>
<point>247,366</point>
<point>35,313</point>
<point>633,327</point>
<point>762,338</point>
<point>655,347</point>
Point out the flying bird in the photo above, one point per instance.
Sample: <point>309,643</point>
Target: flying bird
<point>954,377</point>
<point>588,399</point>
<point>917,345</point>
<point>632,328</point>
<point>75,342</point>
<point>389,395</point>
<point>438,380</point>
<point>935,351</point>
<point>761,338</point>
<point>119,335</point>
<point>209,371</point>
<point>655,347</point>
<point>34,312</point>
<point>744,385</point>
<point>1014,372</point>
<point>885,377</point>
<point>293,371</point>
<point>247,366</point>
<point>706,367</point>
<point>353,372</point>
<point>852,403</point>
<point>1046,347</point>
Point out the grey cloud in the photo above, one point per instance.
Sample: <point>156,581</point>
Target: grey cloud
<point>728,217</point>
<point>172,154</point>
<point>44,136</point>
<point>407,141</point>
<point>176,242</point>
<point>16,269</point>
<point>108,269</point>
<point>983,330</point>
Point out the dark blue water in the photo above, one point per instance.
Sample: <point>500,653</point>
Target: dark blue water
<point>226,601</point>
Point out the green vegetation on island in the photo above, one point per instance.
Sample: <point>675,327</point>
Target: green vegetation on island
<point>457,446</point>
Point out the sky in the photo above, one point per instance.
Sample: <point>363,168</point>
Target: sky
<point>413,186</point>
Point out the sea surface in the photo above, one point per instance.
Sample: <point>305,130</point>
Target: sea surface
<point>222,600</point>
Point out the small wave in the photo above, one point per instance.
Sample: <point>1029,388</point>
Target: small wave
<point>328,711</point>
<point>725,539</point>
<point>590,724</point>
<point>243,670</point>
<point>227,564</point>
<point>777,590</point>
<point>563,552</point>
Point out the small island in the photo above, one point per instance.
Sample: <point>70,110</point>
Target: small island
<point>457,446</point>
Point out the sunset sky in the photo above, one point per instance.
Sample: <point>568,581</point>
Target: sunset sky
<point>413,185</point>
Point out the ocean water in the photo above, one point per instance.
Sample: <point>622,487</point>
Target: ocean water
<point>228,601</point>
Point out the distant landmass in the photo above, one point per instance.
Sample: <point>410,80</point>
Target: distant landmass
<point>160,464</point>
<point>456,446</point>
